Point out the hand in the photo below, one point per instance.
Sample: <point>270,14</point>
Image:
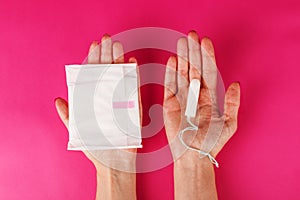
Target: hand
<point>195,61</point>
<point>112,183</point>
<point>108,53</point>
<point>194,177</point>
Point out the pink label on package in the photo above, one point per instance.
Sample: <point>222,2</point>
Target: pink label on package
<point>123,104</point>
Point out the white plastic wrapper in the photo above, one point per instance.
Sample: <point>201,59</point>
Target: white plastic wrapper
<point>103,106</point>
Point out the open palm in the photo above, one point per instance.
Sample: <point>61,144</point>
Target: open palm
<point>197,61</point>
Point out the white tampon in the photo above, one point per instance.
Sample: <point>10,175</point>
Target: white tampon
<point>192,100</point>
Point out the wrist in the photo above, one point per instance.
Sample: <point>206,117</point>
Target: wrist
<point>191,160</point>
<point>194,178</point>
<point>119,159</point>
<point>115,184</point>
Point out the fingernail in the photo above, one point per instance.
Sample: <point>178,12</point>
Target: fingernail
<point>105,36</point>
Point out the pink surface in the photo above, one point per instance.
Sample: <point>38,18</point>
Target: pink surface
<point>257,43</point>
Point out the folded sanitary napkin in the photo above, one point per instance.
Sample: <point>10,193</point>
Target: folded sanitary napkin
<point>103,106</point>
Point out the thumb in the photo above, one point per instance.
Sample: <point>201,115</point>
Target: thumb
<point>62,110</point>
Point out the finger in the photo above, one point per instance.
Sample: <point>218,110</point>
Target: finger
<point>232,102</point>
<point>106,50</point>
<point>182,57</point>
<point>170,78</point>
<point>194,56</point>
<point>133,60</point>
<point>94,53</point>
<point>209,67</point>
<point>62,110</point>
<point>204,111</point>
<point>210,72</point>
<point>118,52</point>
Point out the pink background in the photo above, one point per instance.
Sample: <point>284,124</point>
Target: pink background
<point>257,43</point>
